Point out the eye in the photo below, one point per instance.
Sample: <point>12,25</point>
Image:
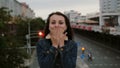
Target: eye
<point>53,22</point>
<point>61,22</point>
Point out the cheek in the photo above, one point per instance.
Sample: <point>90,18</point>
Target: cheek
<point>64,27</point>
<point>51,27</point>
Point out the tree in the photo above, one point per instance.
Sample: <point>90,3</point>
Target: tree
<point>11,56</point>
<point>37,24</point>
<point>5,14</point>
<point>4,18</point>
<point>21,31</point>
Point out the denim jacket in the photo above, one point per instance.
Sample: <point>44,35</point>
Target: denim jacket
<point>46,54</point>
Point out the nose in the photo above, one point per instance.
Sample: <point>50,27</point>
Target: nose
<point>56,25</point>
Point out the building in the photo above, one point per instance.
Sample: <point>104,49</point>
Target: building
<point>17,8</point>
<point>110,6</point>
<point>74,16</point>
<point>110,12</point>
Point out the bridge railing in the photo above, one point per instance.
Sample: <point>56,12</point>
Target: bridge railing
<point>97,28</point>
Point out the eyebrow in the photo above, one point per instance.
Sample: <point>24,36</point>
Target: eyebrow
<point>59,20</point>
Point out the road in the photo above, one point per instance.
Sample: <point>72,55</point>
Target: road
<point>102,57</point>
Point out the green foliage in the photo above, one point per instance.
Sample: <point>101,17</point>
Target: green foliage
<point>21,31</point>
<point>5,14</point>
<point>1,25</point>
<point>11,56</point>
<point>4,17</point>
<point>37,24</point>
<point>10,53</point>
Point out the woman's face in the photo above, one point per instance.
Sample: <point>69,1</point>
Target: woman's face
<point>57,22</point>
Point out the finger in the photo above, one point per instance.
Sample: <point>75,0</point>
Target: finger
<point>61,30</point>
<point>65,33</point>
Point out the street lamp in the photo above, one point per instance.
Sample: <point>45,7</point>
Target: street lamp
<point>28,39</point>
<point>41,34</point>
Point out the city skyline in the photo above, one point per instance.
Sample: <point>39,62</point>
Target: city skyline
<point>45,7</point>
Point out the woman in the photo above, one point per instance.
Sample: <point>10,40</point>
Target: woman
<point>57,49</point>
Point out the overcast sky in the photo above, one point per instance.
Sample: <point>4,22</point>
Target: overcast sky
<point>44,7</point>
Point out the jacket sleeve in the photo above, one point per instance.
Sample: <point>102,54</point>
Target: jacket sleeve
<point>70,55</point>
<point>45,55</point>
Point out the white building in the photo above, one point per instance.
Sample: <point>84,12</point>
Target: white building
<point>110,6</point>
<point>17,8</point>
<point>74,16</point>
<point>92,15</point>
<point>110,9</point>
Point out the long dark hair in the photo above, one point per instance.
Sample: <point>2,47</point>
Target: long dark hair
<point>69,29</point>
